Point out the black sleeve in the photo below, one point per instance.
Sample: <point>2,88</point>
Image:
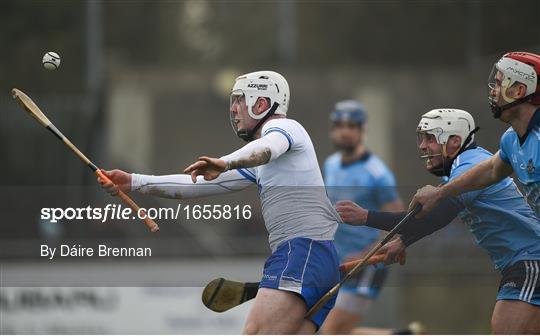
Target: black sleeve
<point>417,228</point>
<point>384,220</point>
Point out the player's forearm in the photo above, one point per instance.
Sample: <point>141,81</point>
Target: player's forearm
<point>383,220</point>
<point>180,186</point>
<point>417,228</point>
<point>257,152</point>
<point>442,215</point>
<point>248,159</point>
<point>479,177</point>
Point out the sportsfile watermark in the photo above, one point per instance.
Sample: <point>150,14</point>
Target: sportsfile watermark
<point>121,212</point>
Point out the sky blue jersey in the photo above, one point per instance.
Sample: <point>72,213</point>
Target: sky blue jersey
<point>498,216</point>
<point>524,157</point>
<point>367,182</point>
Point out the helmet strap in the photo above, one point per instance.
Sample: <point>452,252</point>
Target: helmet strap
<point>498,110</point>
<point>248,135</point>
<point>444,152</point>
<point>466,142</point>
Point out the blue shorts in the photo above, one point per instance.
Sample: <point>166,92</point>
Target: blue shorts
<point>307,267</point>
<point>521,281</point>
<point>367,282</point>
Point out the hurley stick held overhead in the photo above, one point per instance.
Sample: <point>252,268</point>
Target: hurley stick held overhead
<point>34,111</point>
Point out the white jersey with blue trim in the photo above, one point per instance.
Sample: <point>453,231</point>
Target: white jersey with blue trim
<point>524,157</point>
<point>498,216</point>
<point>291,188</point>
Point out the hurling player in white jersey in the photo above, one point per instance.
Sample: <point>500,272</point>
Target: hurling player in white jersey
<point>280,161</point>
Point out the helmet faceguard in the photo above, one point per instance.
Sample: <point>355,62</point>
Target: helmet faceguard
<point>235,120</point>
<point>514,68</point>
<point>252,86</point>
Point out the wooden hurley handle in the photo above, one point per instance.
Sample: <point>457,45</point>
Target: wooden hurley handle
<point>149,222</point>
<point>31,107</point>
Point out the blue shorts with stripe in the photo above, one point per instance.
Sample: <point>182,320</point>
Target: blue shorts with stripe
<point>307,267</point>
<point>521,281</point>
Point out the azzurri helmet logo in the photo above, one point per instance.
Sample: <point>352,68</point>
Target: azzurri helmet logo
<point>258,86</point>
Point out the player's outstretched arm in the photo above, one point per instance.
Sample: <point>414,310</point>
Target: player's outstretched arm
<point>255,153</point>
<point>416,229</point>
<point>479,177</point>
<point>178,186</point>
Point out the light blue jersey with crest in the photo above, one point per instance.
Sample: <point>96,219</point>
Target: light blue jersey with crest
<point>524,157</point>
<point>367,182</point>
<point>498,216</point>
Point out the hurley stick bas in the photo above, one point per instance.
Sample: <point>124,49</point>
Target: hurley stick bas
<point>221,294</point>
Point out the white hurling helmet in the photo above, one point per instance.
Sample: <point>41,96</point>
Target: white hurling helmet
<point>444,123</point>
